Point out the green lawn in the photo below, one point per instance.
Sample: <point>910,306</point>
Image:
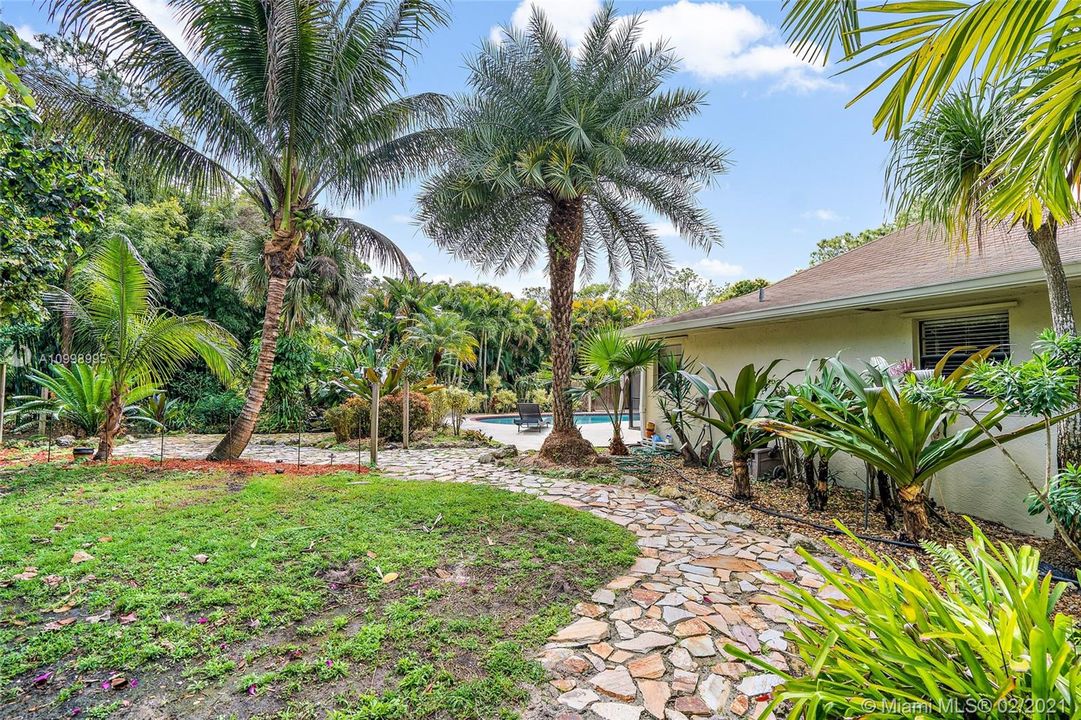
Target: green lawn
<point>289,616</point>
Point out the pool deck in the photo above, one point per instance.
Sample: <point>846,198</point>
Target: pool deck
<point>596,433</point>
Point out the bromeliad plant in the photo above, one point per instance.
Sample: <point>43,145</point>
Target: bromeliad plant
<point>610,358</point>
<point>734,411</point>
<point>975,635</point>
<point>905,427</point>
<point>675,396</point>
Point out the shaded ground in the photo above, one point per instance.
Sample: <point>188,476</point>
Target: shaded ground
<point>130,592</point>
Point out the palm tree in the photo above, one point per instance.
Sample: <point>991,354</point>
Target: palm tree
<point>925,47</point>
<point>292,100</point>
<point>328,280</point>
<point>611,358</point>
<point>941,170</point>
<point>554,151</point>
<point>114,306</point>
<point>442,335</point>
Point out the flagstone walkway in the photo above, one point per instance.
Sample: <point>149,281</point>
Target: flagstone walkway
<point>650,643</point>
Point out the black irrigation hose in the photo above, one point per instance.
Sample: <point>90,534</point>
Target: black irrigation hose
<point>1056,574</point>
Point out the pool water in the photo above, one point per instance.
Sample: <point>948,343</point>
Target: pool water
<point>580,418</point>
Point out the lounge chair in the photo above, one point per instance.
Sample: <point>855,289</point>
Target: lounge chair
<point>530,418</point>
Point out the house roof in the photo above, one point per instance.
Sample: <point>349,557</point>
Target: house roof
<point>908,264</point>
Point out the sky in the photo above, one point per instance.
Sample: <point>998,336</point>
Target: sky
<point>804,167</point>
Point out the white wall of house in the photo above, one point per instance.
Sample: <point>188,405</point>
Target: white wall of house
<point>985,486</point>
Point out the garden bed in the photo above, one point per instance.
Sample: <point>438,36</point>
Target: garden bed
<point>130,592</point>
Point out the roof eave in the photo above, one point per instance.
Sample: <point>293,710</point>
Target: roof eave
<point>994,282</point>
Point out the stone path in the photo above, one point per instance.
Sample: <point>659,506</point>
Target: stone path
<point>650,643</point>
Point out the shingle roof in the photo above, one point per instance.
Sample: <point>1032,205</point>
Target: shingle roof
<point>912,259</point>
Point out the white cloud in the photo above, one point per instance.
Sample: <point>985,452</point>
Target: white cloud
<point>569,17</point>
<point>823,214</point>
<point>402,219</point>
<point>27,34</point>
<point>664,229</point>
<point>161,14</point>
<point>718,268</point>
<point>715,40</point>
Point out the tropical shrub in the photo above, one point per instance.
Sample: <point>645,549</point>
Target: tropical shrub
<point>504,401</point>
<point>214,412</point>
<point>344,421</point>
<point>459,400</point>
<point>79,396</point>
<point>540,396</point>
<point>974,635</point>
<point>1064,497</point>
<point>439,408</point>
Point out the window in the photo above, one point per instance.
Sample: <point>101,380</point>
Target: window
<point>940,335</point>
<point>666,351</point>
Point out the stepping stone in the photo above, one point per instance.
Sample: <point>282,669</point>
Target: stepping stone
<point>563,684</point>
<point>601,650</point>
<point>675,614</point>
<point>651,667</point>
<point>581,632</point>
<point>623,582</point>
<point>732,670</point>
<point>684,682</point>
<point>756,685</point>
<point>672,599</point>
<point>724,562</point>
<point>645,566</point>
<point>681,659</point>
<point>616,684</point>
<point>692,705</point>
<point>646,641</point>
<point>644,597</point>
<point>579,699</point>
<point>672,714</point>
<point>699,646</point>
<point>655,696</point>
<point>626,614</point>
<point>589,610</point>
<point>604,597</point>
<point>575,665</point>
<point>649,625</point>
<point>617,711</point>
<point>739,705</point>
<point>689,628</point>
<point>715,690</point>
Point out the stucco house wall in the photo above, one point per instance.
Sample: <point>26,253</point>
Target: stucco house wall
<point>985,486</point>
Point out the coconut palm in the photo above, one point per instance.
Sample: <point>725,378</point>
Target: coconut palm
<point>115,308</point>
<point>926,46</point>
<point>942,168</point>
<point>328,281</point>
<point>295,101</point>
<point>556,150</point>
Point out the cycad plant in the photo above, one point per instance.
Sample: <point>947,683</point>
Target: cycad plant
<point>294,101</point>
<point>553,154</point>
<point>732,409</point>
<point>610,358</point>
<point>114,304</point>
<point>79,396</point>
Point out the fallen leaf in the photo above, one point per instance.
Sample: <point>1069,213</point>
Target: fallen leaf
<point>200,558</point>
<point>490,541</point>
<point>29,573</point>
<point>128,619</point>
<point>115,682</point>
<point>105,538</point>
<point>52,580</point>
<point>389,578</point>
<point>442,574</point>
<point>99,618</point>
<point>370,555</point>
<point>80,557</point>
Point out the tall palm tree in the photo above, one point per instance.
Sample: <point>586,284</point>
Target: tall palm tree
<point>442,335</point>
<point>941,169</point>
<point>115,308</point>
<point>554,151</point>
<point>295,101</point>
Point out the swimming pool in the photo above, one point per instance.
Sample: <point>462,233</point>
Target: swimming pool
<point>580,418</point>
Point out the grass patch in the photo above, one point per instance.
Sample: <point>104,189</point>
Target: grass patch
<point>289,616</point>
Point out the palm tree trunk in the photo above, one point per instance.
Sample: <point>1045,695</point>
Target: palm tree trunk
<point>1045,240</point>
<point>913,502</point>
<point>564,445</point>
<point>67,331</point>
<point>741,475</point>
<point>107,439</point>
<point>236,440</point>
<point>616,446</point>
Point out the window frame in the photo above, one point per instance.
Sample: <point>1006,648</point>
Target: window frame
<point>1002,350</point>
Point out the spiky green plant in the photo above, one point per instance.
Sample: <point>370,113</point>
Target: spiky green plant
<point>975,635</point>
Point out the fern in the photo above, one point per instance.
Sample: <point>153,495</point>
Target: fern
<point>957,572</point>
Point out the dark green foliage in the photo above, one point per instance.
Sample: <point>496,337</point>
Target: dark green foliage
<point>288,396</point>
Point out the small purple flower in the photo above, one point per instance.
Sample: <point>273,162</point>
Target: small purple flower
<point>43,678</point>
<point>251,689</point>
<point>901,368</point>
<point>202,621</point>
<point>106,685</point>
<point>134,682</point>
<point>222,646</point>
<point>330,663</point>
<point>76,711</point>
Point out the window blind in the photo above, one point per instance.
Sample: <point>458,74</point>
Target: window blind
<point>940,335</point>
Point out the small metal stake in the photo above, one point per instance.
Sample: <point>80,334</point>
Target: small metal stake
<point>161,454</point>
<point>299,424</point>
